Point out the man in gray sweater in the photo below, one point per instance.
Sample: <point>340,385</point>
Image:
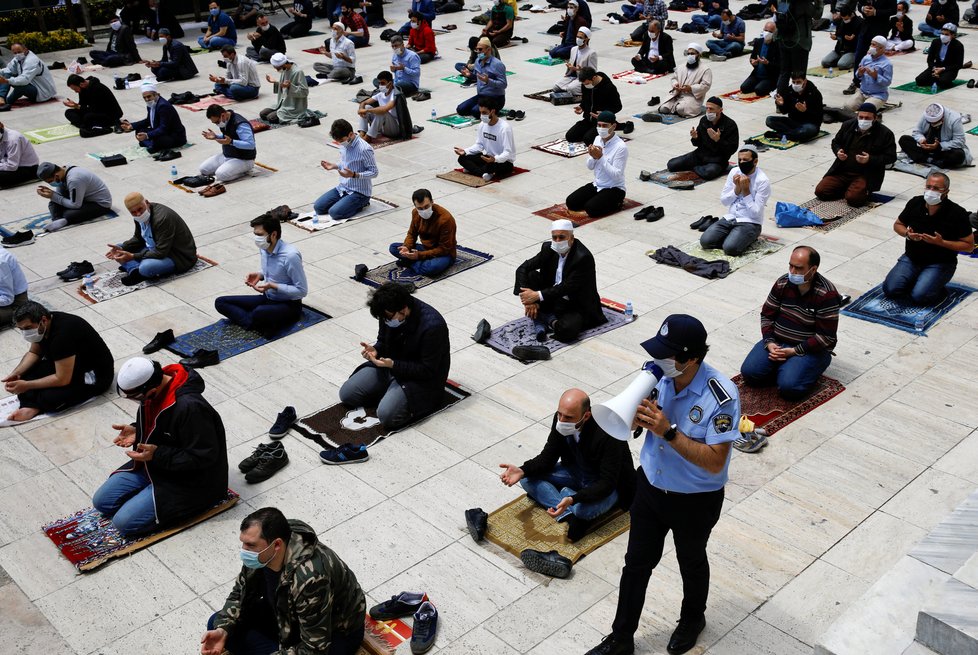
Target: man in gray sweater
<point>78,195</point>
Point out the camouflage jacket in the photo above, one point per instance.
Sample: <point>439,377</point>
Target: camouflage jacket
<point>318,595</point>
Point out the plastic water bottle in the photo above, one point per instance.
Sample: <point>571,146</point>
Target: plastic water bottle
<point>127,82</point>
<point>629,310</point>
<point>315,218</point>
<point>919,322</point>
<point>89,281</point>
<point>434,114</point>
<point>933,87</point>
<point>831,74</point>
<point>173,173</point>
<point>621,41</point>
<point>571,147</point>
<point>784,139</point>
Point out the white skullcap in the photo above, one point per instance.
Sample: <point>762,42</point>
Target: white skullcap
<point>278,59</point>
<point>934,112</point>
<point>339,26</point>
<point>696,46</point>
<point>148,86</point>
<point>585,31</point>
<point>562,224</point>
<point>879,40</point>
<point>134,373</point>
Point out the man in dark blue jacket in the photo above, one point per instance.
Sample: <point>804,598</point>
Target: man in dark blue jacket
<point>161,129</point>
<point>176,64</point>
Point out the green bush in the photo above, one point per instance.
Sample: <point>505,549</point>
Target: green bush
<point>23,20</point>
<point>57,40</point>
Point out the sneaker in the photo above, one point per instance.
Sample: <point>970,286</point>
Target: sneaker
<point>750,442</point>
<point>76,271</point>
<point>424,629</point>
<point>345,454</point>
<point>24,238</point>
<point>251,461</point>
<point>487,177</point>
<point>285,420</point>
<point>403,604</point>
<point>718,58</point>
<point>269,463</point>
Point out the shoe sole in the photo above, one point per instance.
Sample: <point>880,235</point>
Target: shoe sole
<point>18,245</point>
<point>539,564</point>
<point>349,461</point>
<point>279,435</point>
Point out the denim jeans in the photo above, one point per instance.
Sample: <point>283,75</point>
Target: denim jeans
<point>632,12</point>
<point>927,30</point>
<point>561,51</point>
<point>426,267</point>
<point>256,312</point>
<point>127,497</point>
<point>371,386</point>
<point>725,48</point>
<point>470,107</point>
<point>340,207</point>
<point>407,89</point>
<point>733,236</point>
<point>562,482</point>
<point>924,285</point>
<point>706,21</point>
<point>152,268</point>
<point>216,42</point>
<point>236,91</point>
<point>794,130</point>
<point>28,91</point>
<point>794,377</point>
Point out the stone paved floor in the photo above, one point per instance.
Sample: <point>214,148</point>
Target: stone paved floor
<point>810,523</point>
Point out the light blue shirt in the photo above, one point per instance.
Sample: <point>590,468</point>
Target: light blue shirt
<point>880,87</point>
<point>146,230</point>
<point>708,411</point>
<point>283,266</point>
<point>411,73</point>
<point>246,137</point>
<point>358,157</point>
<point>496,70</point>
<point>12,280</point>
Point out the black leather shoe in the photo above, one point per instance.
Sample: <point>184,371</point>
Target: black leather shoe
<point>695,225</point>
<point>531,353</point>
<point>611,646</point>
<point>655,214</point>
<point>360,272</point>
<point>844,300</point>
<point>201,358</point>
<point>477,522</point>
<point>553,563</point>
<point>161,340</point>
<point>132,278</point>
<point>168,155</point>
<point>684,636</point>
<point>628,127</point>
<point>482,331</point>
<point>577,528</point>
<point>710,221</point>
<point>643,212</point>
<point>653,101</point>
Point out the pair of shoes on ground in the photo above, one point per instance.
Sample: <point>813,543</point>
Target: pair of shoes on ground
<point>22,238</point>
<point>627,127</point>
<point>345,454</point>
<point>201,358</point>
<point>421,96</point>
<point>266,460</point>
<point>650,213</point>
<point>309,121</point>
<point>703,223</point>
<point>683,640</point>
<point>409,603</point>
<point>212,190</point>
<point>132,278</point>
<point>356,79</point>
<point>516,114</point>
<point>160,341</point>
<point>76,271</point>
<point>167,155</point>
<point>523,353</point>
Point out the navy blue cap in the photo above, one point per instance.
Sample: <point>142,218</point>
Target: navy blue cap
<point>679,334</point>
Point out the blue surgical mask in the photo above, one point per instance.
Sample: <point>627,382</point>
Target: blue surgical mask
<point>250,558</point>
<point>796,278</point>
<point>480,56</point>
<point>215,12</point>
<point>393,322</point>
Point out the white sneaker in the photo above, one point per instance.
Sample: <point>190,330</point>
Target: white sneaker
<point>487,177</point>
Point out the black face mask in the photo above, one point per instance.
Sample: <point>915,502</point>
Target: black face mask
<point>746,167</point>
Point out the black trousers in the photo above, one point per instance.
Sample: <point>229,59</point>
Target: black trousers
<point>952,158</point>
<point>20,176</point>
<point>643,65</point>
<point>596,203</point>
<point>474,164</point>
<point>944,81</point>
<point>583,131</point>
<point>654,513</point>
<point>89,120</point>
<point>569,318</point>
<point>55,399</point>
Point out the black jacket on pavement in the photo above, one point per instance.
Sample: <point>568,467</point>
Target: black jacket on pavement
<point>579,283</point>
<point>878,142</point>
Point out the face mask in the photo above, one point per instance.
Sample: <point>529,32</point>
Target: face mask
<point>261,241</point>
<point>21,57</point>
<point>691,60</point>
<point>726,22</point>
<point>603,132</point>
<point>874,52</point>
<point>668,367</point>
<point>414,26</point>
<point>426,213</point>
<point>571,11</point>
<point>484,118</point>
<point>945,38</point>
<point>588,85</point>
<point>337,36</point>
<point>481,56</point>
<point>796,278</point>
<point>932,197</point>
<point>711,116</point>
<point>864,125</point>
<point>899,15</point>
<point>141,218</point>
<point>580,43</point>
<point>393,322</point>
<point>222,124</point>
<point>250,558</point>
<point>767,36</point>
<point>33,335</point>
<point>745,167</point>
<point>797,87</point>
<point>560,247</point>
<point>115,26</point>
<point>150,103</point>
<point>565,428</point>
<point>215,12</point>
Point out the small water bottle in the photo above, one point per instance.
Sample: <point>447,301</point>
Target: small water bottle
<point>571,147</point>
<point>315,218</point>
<point>629,311</point>
<point>831,74</point>
<point>434,114</point>
<point>784,139</point>
<point>173,173</point>
<point>89,281</point>
<point>933,87</point>
<point>919,322</point>
<point>621,41</point>
<point>127,83</point>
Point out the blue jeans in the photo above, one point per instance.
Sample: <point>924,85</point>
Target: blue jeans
<point>28,91</point>
<point>470,107</point>
<point>128,499</point>
<point>924,285</point>
<point>371,386</point>
<point>795,131</point>
<point>704,21</point>
<point>632,12</point>
<point>460,65</point>
<point>794,377</point>
<point>216,42</point>
<point>426,267</point>
<point>236,91</point>
<point>562,482</point>
<point>561,52</point>
<point>725,48</point>
<point>152,268</point>
<point>339,207</point>
<point>256,312</point>
<point>928,30</point>
<point>734,237</point>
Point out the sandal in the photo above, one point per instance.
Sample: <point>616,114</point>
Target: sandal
<point>212,190</point>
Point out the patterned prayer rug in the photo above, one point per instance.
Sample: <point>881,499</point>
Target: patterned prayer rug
<point>11,404</point>
<point>666,119</point>
<point>338,424</point>
<point>135,152</point>
<point>378,142</point>
<point>308,222</point>
<point>49,134</point>
<point>874,307</point>
<point>522,332</point>
<point>522,524</point>
<point>37,222</point>
<point>913,87</point>
<point>562,148</point>
<point>87,539</point>
<point>743,97</point>
<point>465,259</point>
<point>787,145</point>
<point>672,180</point>
<point>383,637</point>
<point>204,103</point>
<point>559,211</point>
<point>628,43</point>
<point>770,411</point>
<point>105,287</point>
<point>838,212</point>
<point>546,61</point>
<point>468,179</point>
<point>229,339</point>
<point>634,77</point>
<point>764,246</point>
<point>258,125</point>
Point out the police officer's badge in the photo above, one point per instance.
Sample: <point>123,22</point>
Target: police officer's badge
<point>696,414</point>
<point>722,422</point>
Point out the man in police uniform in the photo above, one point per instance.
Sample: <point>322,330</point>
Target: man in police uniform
<point>690,418</point>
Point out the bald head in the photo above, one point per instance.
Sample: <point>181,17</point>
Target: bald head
<point>574,406</point>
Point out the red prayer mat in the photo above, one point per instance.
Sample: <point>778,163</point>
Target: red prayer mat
<point>468,179</point>
<point>744,97</point>
<point>383,637</point>
<point>556,212</point>
<point>770,411</point>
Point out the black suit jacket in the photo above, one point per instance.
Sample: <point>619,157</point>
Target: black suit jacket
<point>878,142</point>
<point>579,281</point>
<point>665,48</point>
<point>952,61</point>
<point>178,53</point>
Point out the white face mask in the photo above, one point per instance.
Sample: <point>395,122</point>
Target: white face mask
<point>399,52</point>
<point>932,197</point>
<point>565,428</point>
<point>767,36</point>
<point>560,247</point>
<point>261,240</point>
<point>945,38</point>
<point>874,51</point>
<point>337,36</point>
<point>668,367</point>
<point>484,118</point>
<point>797,87</point>
<point>262,28</point>
<point>141,218</point>
<point>588,85</point>
<point>864,124</point>
<point>603,132</point>
<point>571,11</point>
<point>222,124</point>
<point>426,213</point>
<point>32,335</point>
<point>150,103</point>
<point>115,25</point>
<point>691,60</point>
<point>21,57</point>
<point>711,116</point>
<point>899,15</point>
<point>580,43</point>
<point>414,25</point>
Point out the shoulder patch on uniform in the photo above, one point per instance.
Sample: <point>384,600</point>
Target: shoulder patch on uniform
<point>716,388</point>
<point>722,422</point>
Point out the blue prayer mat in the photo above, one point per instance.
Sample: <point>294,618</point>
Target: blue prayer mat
<point>37,222</point>
<point>874,307</point>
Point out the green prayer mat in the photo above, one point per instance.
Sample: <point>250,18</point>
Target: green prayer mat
<point>914,88</point>
<point>458,79</point>
<point>48,134</point>
<point>787,145</point>
<point>457,121</point>
<point>547,61</point>
<point>974,130</point>
<point>764,245</point>
<point>133,152</point>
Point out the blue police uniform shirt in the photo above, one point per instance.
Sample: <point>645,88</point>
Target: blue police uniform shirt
<point>707,410</point>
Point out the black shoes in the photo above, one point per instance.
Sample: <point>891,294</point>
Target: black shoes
<point>76,271</point>
<point>577,528</point>
<point>285,420</point>
<point>201,358</point>
<point>703,223</point>
<point>652,117</point>
<point>531,353</point>
<point>477,521</point>
<point>650,213</point>
<point>684,637</point>
<point>645,176</point>
<point>482,331</point>
<point>168,155</point>
<point>132,278</point>
<point>844,300</point>
<point>850,90</point>
<point>653,101</point>
<point>424,629</point>
<point>611,646</point>
<point>403,604</point>
<point>553,563</point>
<point>266,463</point>
<point>360,272</point>
<point>161,340</point>
<point>309,121</point>
<point>24,238</point>
<point>628,127</point>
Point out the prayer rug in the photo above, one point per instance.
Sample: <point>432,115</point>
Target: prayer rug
<point>559,211</point>
<point>545,96</point>
<point>923,38</point>
<point>378,142</point>
<point>260,126</point>
<point>465,259</point>
<point>973,130</point>
<point>787,145</point>
<point>88,540</point>
<point>37,222</point>
<point>338,424</point>
<point>458,79</point>
<point>563,148</point>
<point>547,61</point>
<point>904,165</point>
<point>24,102</point>
<point>204,103</point>
<point>628,43</point>
<point>454,120</point>
<point>821,71</point>
<point>312,51</point>
<point>133,152</point>
<point>229,339</point>
<point>11,404</point>
<point>770,411</point>
<point>307,220</point>
<point>49,134</point>
<point>633,77</point>
<point>764,246</point>
<point>522,524</point>
<point>667,119</point>
<point>926,90</point>
<point>459,175</point>
<point>105,287</point>
<point>521,331</point>
<point>901,314</point>
<point>383,637</point>
<point>743,97</point>
<point>838,212</point>
<point>672,180</point>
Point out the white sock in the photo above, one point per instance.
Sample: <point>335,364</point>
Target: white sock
<point>55,225</point>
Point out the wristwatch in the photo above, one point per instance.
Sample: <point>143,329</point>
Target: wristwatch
<point>670,434</point>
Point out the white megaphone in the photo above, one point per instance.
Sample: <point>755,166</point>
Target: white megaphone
<point>616,416</point>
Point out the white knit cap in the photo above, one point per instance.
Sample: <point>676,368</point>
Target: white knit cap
<point>134,373</point>
<point>696,46</point>
<point>278,60</point>
<point>562,224</point>
<point>879,40</point>
<point>585,31</point>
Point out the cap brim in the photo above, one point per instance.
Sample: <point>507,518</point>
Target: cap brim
<point>657,349</point>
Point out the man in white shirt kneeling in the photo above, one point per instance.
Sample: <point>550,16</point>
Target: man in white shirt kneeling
<point>745,194</point>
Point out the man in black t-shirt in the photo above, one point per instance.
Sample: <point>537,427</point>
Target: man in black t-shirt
<point>936,230</point>
<point>67,364</point>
